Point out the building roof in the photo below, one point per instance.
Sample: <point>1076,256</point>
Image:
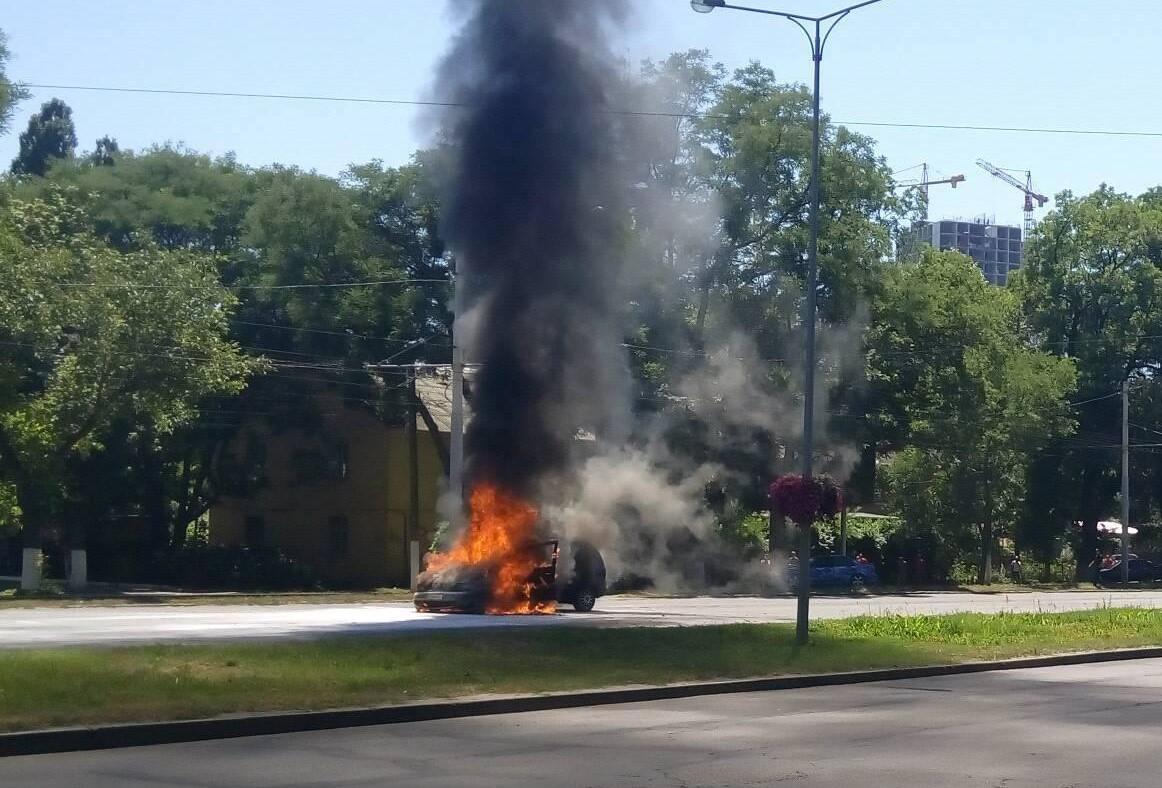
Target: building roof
<point>434,388</point>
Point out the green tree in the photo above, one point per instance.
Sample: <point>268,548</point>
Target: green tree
<point>95,335</point>
<point>104,152</point>
<point>1091,286</point>
<point>11,93</point>
<point>720,199</point>
<point>168,196</point>
<point>50,136</point>
<point>948,355</point>
<point>290,243</point>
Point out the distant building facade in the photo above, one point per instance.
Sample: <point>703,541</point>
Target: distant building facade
<point>335,496</point>
<point>997,249</point>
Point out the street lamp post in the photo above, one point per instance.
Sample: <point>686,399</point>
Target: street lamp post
<point>818,30</point>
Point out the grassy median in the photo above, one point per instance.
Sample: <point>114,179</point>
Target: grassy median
<point>48,688</point>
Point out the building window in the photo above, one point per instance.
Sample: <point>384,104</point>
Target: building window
<point>338,536</point>
<point>255,529</point>
<point>325,464</point>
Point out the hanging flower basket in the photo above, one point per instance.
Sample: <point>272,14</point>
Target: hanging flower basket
<point>803,501</point>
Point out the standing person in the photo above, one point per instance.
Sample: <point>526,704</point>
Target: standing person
<point>1015,568</point>
<point>1095,567</point>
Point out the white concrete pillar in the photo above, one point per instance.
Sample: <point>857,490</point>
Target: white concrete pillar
<point>31,568</point>
<point>78,570</point>
<point>413,563</point>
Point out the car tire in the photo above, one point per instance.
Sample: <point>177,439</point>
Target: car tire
<point>584,600</point>
<point>858,583</point>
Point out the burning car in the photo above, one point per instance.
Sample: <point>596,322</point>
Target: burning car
<point>479,587</point>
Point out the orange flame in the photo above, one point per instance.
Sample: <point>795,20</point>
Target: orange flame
<point>501,534</point>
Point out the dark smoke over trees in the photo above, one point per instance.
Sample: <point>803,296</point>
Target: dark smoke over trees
<point>534,215</point>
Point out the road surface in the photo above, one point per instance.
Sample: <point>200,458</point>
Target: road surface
<point>1070,727</point>
<point>23,628</point>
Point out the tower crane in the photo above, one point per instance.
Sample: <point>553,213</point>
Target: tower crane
<point>1026,188</point>
<point>924,183</point>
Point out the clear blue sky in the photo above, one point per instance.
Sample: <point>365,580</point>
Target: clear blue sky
<point>1045,63</point>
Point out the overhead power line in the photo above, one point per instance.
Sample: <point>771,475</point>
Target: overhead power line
<point>630,112</point>
<point>140,286</point>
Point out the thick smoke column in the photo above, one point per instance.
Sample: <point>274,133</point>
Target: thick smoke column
<point>533,212</point>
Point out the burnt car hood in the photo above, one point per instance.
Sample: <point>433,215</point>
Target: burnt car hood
<point>455,578</point>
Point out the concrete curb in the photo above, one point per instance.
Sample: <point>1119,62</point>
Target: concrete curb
<point>150,733</point>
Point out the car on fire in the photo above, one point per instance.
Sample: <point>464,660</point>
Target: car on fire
<point>468,589</point>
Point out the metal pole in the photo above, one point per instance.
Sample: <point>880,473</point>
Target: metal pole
<point>456,458</point>
<point>1126,481</point>
<point>803,608</point>
<point>843,529</point>
<point>413,521</point>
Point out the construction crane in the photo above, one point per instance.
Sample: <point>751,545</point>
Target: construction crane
<point>1026,188</point>
<point>924,183</point>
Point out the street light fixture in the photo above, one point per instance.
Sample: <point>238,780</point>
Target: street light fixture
<point>818,30</point>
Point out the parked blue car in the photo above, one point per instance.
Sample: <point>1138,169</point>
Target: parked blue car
<point>840,571</point>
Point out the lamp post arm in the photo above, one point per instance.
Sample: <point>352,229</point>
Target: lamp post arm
<point>845,11</point>
<point>769,12</point>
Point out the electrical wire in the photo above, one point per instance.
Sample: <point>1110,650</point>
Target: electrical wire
<point>138,286</point>
<point>638,113</point>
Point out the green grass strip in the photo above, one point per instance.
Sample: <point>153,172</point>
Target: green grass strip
<point>58,687</point>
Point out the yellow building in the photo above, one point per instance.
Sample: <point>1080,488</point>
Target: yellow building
<point>337,497</point>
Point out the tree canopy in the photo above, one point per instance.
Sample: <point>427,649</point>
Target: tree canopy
<point>95,336</point>
<point>950,362</point>
<point>50,136</point>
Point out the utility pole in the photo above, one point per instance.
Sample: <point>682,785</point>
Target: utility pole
<point>413,521</point>
<point>1126,481</point>
<point>456,459</point>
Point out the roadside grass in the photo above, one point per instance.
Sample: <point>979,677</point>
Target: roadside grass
<point>50,688</point>
<point>11,599</point>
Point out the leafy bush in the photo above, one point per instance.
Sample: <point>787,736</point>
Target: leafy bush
<point>864,534</point>
<point>748,533</point>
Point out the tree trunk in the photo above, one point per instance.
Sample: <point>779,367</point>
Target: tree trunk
<point>986,553</point>
<point>77,531</point>
<point>778,539</point>
<point>184,505</point>
<point>1089,518</point>
<point>34,521</point>
<point>1088,548</point>
<point>153,495</point>
<point>705,281</point>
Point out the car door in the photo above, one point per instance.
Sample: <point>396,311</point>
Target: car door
<point>1141,570</point>
<point>847,569</point>
<point>823,571</point>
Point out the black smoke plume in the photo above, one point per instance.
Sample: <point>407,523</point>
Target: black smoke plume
<point>534,214</point>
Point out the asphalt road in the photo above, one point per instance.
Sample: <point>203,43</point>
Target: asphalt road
<point>23,628</point>
<point>1070,727</point>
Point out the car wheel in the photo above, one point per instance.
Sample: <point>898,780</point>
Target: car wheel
<point>584,600</point>
<point>857,582</point>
